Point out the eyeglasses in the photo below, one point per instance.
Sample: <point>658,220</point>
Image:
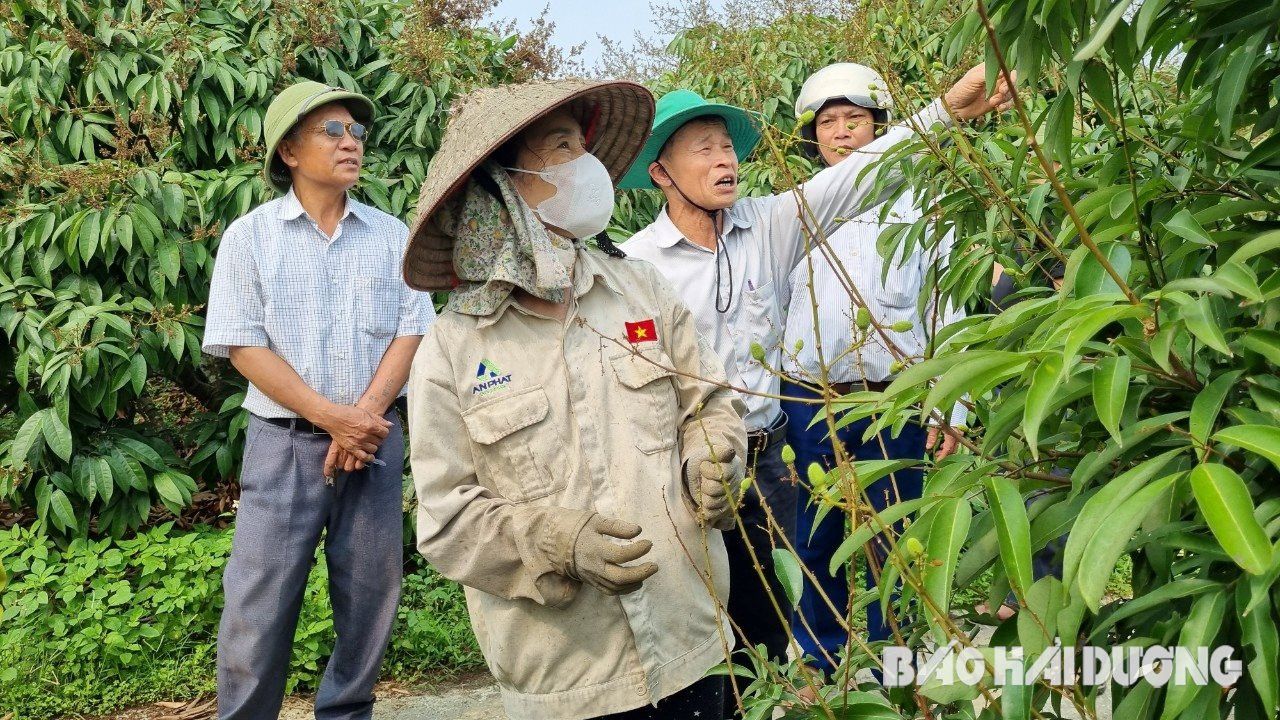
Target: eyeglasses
<point>337,128</point>
<point>333,128</point>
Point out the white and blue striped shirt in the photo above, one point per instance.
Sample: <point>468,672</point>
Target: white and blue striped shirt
<point>329,306</point>
<point>889,300</point>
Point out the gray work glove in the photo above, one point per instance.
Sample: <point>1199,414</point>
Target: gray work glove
<point>709,477</point>
<point>598,560</point>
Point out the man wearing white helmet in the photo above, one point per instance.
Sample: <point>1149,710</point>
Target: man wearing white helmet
<point>847,106</point>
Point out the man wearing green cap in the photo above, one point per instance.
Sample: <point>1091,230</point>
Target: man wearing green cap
<point>308,304</point>
<point>730,258</point>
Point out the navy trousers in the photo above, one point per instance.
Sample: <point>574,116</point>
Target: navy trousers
<point>285,504</point>
<point>816,543</point>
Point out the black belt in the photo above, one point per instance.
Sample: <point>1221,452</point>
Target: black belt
<point>860,386</point>
<point>299,424</point>
<point>759,441</point>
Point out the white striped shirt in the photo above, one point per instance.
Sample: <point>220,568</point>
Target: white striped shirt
<point>890,298</point>
<point>329,306</point>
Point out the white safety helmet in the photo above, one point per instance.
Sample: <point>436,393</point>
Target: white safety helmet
<point>856,83</point>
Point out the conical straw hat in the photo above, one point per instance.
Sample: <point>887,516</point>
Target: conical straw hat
<point>621,114</point>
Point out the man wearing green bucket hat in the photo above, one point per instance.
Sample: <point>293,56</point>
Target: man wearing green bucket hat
<point>308,304</point>
<point>730,258</point>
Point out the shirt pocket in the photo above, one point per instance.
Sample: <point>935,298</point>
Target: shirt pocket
<point>649,399</point>
<point>517,453</point>
<point>764,320</point>
<point>899,289</point>
<point>377,305</point>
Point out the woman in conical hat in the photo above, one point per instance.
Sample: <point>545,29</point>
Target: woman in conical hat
<point>573,444</point>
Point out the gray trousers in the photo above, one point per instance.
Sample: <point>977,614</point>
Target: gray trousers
<point>284,506</point>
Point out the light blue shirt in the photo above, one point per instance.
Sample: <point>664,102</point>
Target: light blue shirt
<point>329,306</point>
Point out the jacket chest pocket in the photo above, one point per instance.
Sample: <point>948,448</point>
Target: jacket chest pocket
<point>377,305</point>
<point>649,399</point>
<point>516,456</point>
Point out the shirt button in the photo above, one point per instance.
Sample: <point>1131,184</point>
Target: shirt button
<point>640,690</point>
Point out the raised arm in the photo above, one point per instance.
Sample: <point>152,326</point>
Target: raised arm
<point>835,193</point>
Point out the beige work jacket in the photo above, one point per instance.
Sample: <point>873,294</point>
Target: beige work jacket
<point>521,427</point>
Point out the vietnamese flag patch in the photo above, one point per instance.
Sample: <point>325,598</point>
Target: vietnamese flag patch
<point>643,331</point>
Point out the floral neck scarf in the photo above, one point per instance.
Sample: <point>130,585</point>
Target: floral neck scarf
<point>499,244</point>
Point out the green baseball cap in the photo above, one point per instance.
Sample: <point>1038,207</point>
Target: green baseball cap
<point>290,106</point>
<point>674,110</point>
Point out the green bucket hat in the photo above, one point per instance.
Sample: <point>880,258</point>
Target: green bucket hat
<point>674,110</point>
<point>290,106</point>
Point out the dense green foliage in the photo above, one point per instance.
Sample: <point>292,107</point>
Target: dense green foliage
<point>130,135</point>
<point>106,623</point>
<point>1139,404</point>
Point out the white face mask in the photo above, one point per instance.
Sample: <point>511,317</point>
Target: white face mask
<point>583,202</point>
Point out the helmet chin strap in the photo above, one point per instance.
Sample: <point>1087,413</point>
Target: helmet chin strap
<point>717,228</point>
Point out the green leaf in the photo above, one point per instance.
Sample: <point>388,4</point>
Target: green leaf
<point>26,438</point>
<point>787,567</point>
<point>138,372</point>
<point>173,202</point>
<point>1096,511</point>
<point>1103,31</point>
<point>101,470</point>
<point>1258,635</point>
<point>57,435</point>
<point>167,255</point>
<point>1110,390</point>
<point>875,524</point>
<point>1098,560</point>
<point>90,231</point>
<point>1208,403</point>
<point>60,506</point>
<point>920,373</point>
<point>1146,16</point>
<point>1093,279</point>
<point>1081,330</point>
<point>1203,323</point>
<point>1044,384</point>
<point>1201,627</point>
<point>142,451</point>
<point>126,472</point>
<point>1231,86</point>
<point>948,527</point>
<point>1013,529</point>
<point>167,488</point>
<point>1264,342</point>
<point>1158,598</point>
<point>1240,280</point>
<point>1261,440</point>
<point>1228,509</point>
<point>972,376</point>
<point>1038,621</point>
<point>1185,226</point>
<point>1264,243</point>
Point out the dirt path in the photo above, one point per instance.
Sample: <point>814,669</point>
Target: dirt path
<point>471,697</point>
